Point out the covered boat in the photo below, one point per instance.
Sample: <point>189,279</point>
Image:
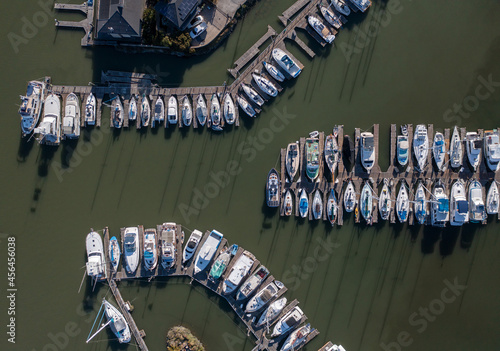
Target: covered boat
<point>220,265</point>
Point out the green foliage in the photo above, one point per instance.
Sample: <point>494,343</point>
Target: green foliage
<point>149,33</point>
<point>180,339</point>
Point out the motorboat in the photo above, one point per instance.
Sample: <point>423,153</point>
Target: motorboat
<point>332,207</point>
<point>132,109</point>
<point>145,111</point>
<point>456,149</point>
<point>440,211</point>
<point>384,202</point>
<point>341,6</point>
<point>49,129</point>
<point>288,203</point>
<point>114,253</point>
<point>421,204</point>
<point>286,62</point>
<point>229,109</point>
<point>273,71</point>
<point>263,297</point>
<point>238,272</point>
<point>90,110</point>
<point>131,249</point>
<point>348,149</point>
<point>96,262</point>
<point>201,110</point>
<point>459,206</point>
<point>172,110</point>
<point>420,146</point>
<point>402,203</point>
<point>477,212</point>
<point>297,338</point>
<point>207,251</point>
<point>159,113</point>
<point>215,117</point>
<point>273,188</point>
<point>439,150</point>
<point>287,322</point>
<point>492,199</point>
<point>402,150</point>
<point>350,197</point>
<point>336,348</point>
<point>186,112</point>
<point>271,312</point>
<point>220,265</point>
<point>191,245</point>
<point>321,29</point>
<point>252,94</point>
<point>312,156</point>
<point>245,106</point>
<point>31,106</point>
<point>330,17</point>
<point>168,239</point>
<point>492,149</point>
<point>362,5</point>
<point>71,119</point>
<point>303,204</point>
<point>150,251</point>
<point>292,160</point>
<point>332,153</point>
<point>117,113</point>
<point>367,151</point>
<point>366,202</point>
<point>117,323</point>
<point>317,205</point>
<point>252,283</point>
<point>474,145</point>
<point>265,85</point>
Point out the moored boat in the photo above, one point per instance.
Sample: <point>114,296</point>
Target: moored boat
<point>191,245</point>
<point>71,119</point>
<point>49,130</point>
<point>272,189</point>
<point>252,94</point>
<point>402,203</point>
<point>341,7</point>
<point>292,160</point>
<point>252,283</point>
<point>350,197</point>
<point>477,212</point>
<point>90,110</point>
<point>168,239</point>
<point>366,203</point>
<point>172,110</point>
<point>492,199</point>
<point>330,17</point>
<point>238,272</point>
<point>220,265</point>
<point>145,111</point>
<point>402,150</point>
<point>286,62</point>
<point>367,144</point>
<point>303,204</point>
<point>96,262</point>
<point>132,109</point>
<point>159,113</point>
<point>473,144</point>
<point>384,202</point>
<point>456,149</point>
<point>271,312</point>
<point>317,205</point>
<point>362,5</point>
<point>321,29</point>
<point>331,153</point>
<point>207,251</point>
<point>421,204</point>
<point>288,203</point>
<point>312,156</point>
<point>440,210</point>
<point>420,146</point>
<point>201,110</point>
<point>229,110</point>
<point>287,322</point>
<point>114,252</point>
<point>459,206</point>
<point>215,118</point>
<point>263,297</point>
<point>492,149</point>
<point>31,106</point>
<point>245,106</point>
<point>265,85</point>
<point>131,249</point>
<point>273,71</point>
<point>150,249</point>
<point>117,112</point>
<point>332,207</point>
<point>118,324</point>
<point>186,112</point>
<point>297,338</point>
<point>439,150</point>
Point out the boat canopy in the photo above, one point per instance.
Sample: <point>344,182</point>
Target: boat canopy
<point>444,205</point>
<point>462,206</point>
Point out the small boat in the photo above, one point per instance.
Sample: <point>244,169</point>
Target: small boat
<point>263,297</point>
<point>131,249</point>
<point>288,203</point>
<point>172,111</point>
<point>421,204</point>
<point>168,240</point>
<point>265,85</point>
<point>132,109</point>
<point>117,112</point>
<point>402,150</point>
<point>150,249</point>
<point>90,109</point>
<point>229,109</point>
<point>186,112</point>
<point>49,129</point>
<point>96,262</point>
<point>245,106</point>
<point>312,156</point>
<point>362,5</point>
<point>332,207</point>
<point>215,113</point>
<point>314,134</point>
<point>420,146</point>
<point>31,106</point>
<point>348,149</point>
<point>220,265</point>
<point>207,251</point>
<point>474,145</point>
<point>440,211</point>
<point>297,338</point>
<point>321,29</point>
<point>252,283</point>
<point>271,312</point>
<point>273,71</point>
<point>159,113</point>
<point>492,149</point>
<point>191,245</point>
<point>367,150</point>
<point>286,62</point>
<point>402,203</point>
<point>341,7</point>
<point>477,212</point>
<point>201,110</point>
<point>350,197</point>
<point>439,150</point>
<point>384,202</point>
<point>331,17</point>
<point>117,323</point>
<point>366,203</point>
<point>317,205</point>
<point>404,130</point>
<point>238,272</point>
<point>287,322</point>
<point>456,149</point>
<point>114,252</point>
<point>71,119</point>
<point>492,199</point>
<point>332,154</point>
<point>303,204</point>
<point>292,160</point>
<point>273,189</point>
<point>459,206</point>
<point>145,111</point>
<point>252,94</point>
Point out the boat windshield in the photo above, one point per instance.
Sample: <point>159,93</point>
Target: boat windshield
<point>443,205</point>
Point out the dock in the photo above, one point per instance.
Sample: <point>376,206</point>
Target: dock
<point>85,24</point>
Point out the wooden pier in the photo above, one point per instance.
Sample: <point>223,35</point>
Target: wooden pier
<point>86,24</point>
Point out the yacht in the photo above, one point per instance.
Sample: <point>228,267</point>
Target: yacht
<point>288,203</point>
<point>273,71</point>
<point>215,118</point>
<point>229,109</point>
<point>286,62</point>
<point>312,156</point>
<point>332,207</point>
<point>145,111</point>
<point>477,212</point>
<point>362,5</point>
<point>252,283</point>
<point>292,160</point>
<point>459,207</point>
<point>439,150</point>
<point>168,239</point>
<point>402,150</point>
<point>317,205</point>
<point>49,129</point>
<point>474,144</point>
<point>114,253</point>
<point>331,17</point>
<point>402,203</point>
<point>131,249</point>
<point>252,94</point>
<point>367,151</point>
<point>421,204</point>
<point>207,251</point>
<point>132,109</point>
<point>265,85</point>
<point>245,106</point>
<point>220,265</point>
<point>273,189</point>
<point>297,338</point>
<point>263,297</point>
<point>456,150</point>
<point>192,244</point>
<point>150,249</point>
<point>492,149</point>
<point>420,146</point>
<point>492,199</point>
<point>366,202</point>
<point>287,322</point>
<point>71,119</point>
<point>321,29</point>
<point>271,312</point>
<point>384,202</point>
<point>117,323</point>
<point>117,112</point>
<point>186,112</point>
<point>332,153</point>
<point>350,197</point>
<point>96,262</point>
<point>201,110</point>
<point>172,110</point>
<point>90,110</point>
<point>341,7</point>
<point>238,272</point>
<point>31,106</point>
<point>440,212</point>
<point>303,204</point>
<point>159,113</point>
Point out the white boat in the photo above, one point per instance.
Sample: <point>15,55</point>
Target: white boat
<point>367,151</point>
<point>172,110</point>
<point>459,206</point>
<point>201,110</point>
<point>273,71</point>
<point>492,199</point>
<point>252,94</point>
<point>292,160</point>
<point>191,245</point>
<point>265,85</point>
<point>71,119</point>
<point>362,5</point>
<point>330,17</point>
<point>317,205</point>
<point>31,106</point>
<point>287,322</point>
<point>114,252</point>
<point>341,7</point>
<point>131,249</point>
<point>321,29</point>
<point>271,312</point>
<point>238,272</point>
<point>421,204</point>
<point>96,262</point>
<point>332,207</point>
<point>245,106</point>
<point>350,197</point>
<point>440,210</point>
<point>474,145</point>
<point>117,112</point>
<point>492,149</point>
<point>49,129</point>
<point>145,111</point>
<point>90,110</point>
<point>336,348</point>
<point>384,202</point>
<point>477,212</point>
<point>252,283</point>
<point>215,117</point>
<point>159,113</point>
<point>286,62</point>
<point>402,203</point>
<point>420,146</point>
<point>288,203</point>
<point>207,251</point>
<point>456,149</point>
<point>132,109</point>
<point>332,153</point>
<point>229,109</point>
<point>402,150</point>
<point>273,189</point>
<point>168,240</point>
<point>117,322</point>
<point>150,249</point>
<point>366,202</point>
<point>186,112</point>
<point>303,204</point>
<point>439,150</point>
<point>297,338</point>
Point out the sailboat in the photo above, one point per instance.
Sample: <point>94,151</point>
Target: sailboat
<point>159,113</point>
<point>297,338</point>
<point>492,199</point>
<point>332,207</point>
<point>145,111</point>
<point>288,203</point>
<point>492,149</point>
<point>350,197</point>
<point>331,153</point>
<point>317,205</point>
<point>384,202</point>
<point>215,117</point>
<point>245,106</point>
<point>303,204</point>
<point>421,204</point>
<point>132,109</point>
<point>321,29</point>
<point>420,146</point>
<point>114,252</point>
<point>252,94</point>
<point>366,203</point>
<point>474,145</point>
<point>186,112</point>
<point>341,7</point>
<point>331,17</point>
<point>265,85</point>
<point>439,150</point>
<point>273,71</point>
<point>201,110</point>
<point>117,112</point>
<point>456,150</point>
<point>229,109</point>
<point>116,322</point>
<point>292,160</point>
<point>402,203</point>
<point>172,111</point>
<point>272,312</point>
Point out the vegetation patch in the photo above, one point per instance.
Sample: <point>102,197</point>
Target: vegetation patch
<point>181,339</point>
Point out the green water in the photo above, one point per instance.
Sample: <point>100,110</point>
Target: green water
<point>362,289</point>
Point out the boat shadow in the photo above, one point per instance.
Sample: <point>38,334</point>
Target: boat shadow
<point>68,148</point>
<point>24,149</point>
<point>47,153</point>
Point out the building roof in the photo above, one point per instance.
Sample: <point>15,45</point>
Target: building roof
<point>120,17</point>
<point>177,11</point>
